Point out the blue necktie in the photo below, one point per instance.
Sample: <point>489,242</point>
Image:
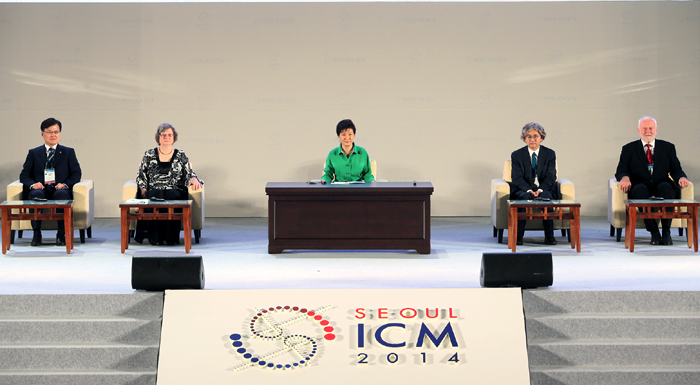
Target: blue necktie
<point>534,163</point>
<point>49,160</point>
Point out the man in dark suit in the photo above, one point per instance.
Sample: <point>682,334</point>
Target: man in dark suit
<point>643,172</point>
<point>50,172</point>
<point>534,175</point>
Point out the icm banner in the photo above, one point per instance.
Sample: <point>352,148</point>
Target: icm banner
<point>414,336</point>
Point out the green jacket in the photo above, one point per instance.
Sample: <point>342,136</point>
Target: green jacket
<point>348,169</point>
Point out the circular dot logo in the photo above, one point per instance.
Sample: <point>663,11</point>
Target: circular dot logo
<point>290,336</point>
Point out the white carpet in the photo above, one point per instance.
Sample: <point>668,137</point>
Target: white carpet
<point>235,257</point>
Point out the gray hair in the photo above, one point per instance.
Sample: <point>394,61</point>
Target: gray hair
<point>164,127</point>
<point>645,118</point>
<point>533,126</point>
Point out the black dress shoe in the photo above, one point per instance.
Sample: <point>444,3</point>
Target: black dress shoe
<point>519,242</point>
<point>60,239</point>
<point>666,237</point>
<point>550,241</point>
<point>655,238</point>
<point>36,239</point>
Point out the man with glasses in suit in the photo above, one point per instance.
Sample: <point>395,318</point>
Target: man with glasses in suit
<point>49,172</point>
<point>534,176</point>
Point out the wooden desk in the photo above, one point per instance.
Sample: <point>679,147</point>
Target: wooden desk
<point>539,210</point>
<point>138,214</point>
<point>43,211</point>
<point>691,215</point>
<point>376,215</point>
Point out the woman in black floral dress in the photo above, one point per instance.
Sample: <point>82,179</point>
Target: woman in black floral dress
<point>165,173</point>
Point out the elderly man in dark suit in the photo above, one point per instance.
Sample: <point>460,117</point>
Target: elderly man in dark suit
<point>643,172</point>
<point>534,175</point>
<point>50,172</point>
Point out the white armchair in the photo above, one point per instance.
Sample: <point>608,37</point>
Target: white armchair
<point>617,213</point>
<point>500,194</point>
<point>83,210</point>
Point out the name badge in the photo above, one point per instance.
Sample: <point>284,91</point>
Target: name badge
<point>50,176</point>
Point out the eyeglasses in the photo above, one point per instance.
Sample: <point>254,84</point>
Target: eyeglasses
<point>535,137</point>
<point>52,132</point>
<point>166,135</point>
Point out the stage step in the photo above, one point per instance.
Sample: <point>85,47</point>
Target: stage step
<point>619,337</point>
<point>80,339</point>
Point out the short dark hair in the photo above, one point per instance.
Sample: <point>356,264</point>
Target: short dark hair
<point>344,125</point>
<point>164,127</point>
<point>50,122</point>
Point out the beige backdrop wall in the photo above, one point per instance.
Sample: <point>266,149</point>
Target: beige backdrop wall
<point>438,91</point>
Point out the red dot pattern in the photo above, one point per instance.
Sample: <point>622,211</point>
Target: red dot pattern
<point>329,336</point>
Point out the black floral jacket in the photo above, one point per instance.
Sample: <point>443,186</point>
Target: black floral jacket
<point>178,177</point>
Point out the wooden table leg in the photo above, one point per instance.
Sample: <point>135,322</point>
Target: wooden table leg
<point>6,223</point>
<point>72,231</point>
<point>689,230</point>
<point>512,228</point>
<point>187,224</point>
<point>632,215</point>
<point>627,227</point>
<point>124,229</point>
<point>572,226</point>
<point>68,227</point>
<point>695,227</point>
<point>577,219</point>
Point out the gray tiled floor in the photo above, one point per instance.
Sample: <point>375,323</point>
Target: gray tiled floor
<point>235,257</point>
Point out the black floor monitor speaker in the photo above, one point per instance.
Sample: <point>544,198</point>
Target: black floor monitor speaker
<point>159,273</point>
<point>524,270</point>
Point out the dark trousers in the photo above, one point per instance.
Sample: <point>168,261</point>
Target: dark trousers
<point>644,191</point>
<point>53,194</point>
<point>547,224</point>
<point>168,231</point>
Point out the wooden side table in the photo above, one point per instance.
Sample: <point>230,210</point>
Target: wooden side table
<point>43,211</point>
<point>127,214</point>
<point>540,210</point>
<point>645,212</point>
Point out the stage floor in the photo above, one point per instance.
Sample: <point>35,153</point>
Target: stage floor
<point>235,257</point>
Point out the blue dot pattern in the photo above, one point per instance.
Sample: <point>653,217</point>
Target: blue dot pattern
<point>288,341</point>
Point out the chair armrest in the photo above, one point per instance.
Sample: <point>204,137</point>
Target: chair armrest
<point>130,190</point>
<point>566,189</point>
<point>14,191</point>
<point>500,193</point>
<point>84,203</point>
<point>688,192</point>
<point>616,204</point>
<point>197,197</point>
